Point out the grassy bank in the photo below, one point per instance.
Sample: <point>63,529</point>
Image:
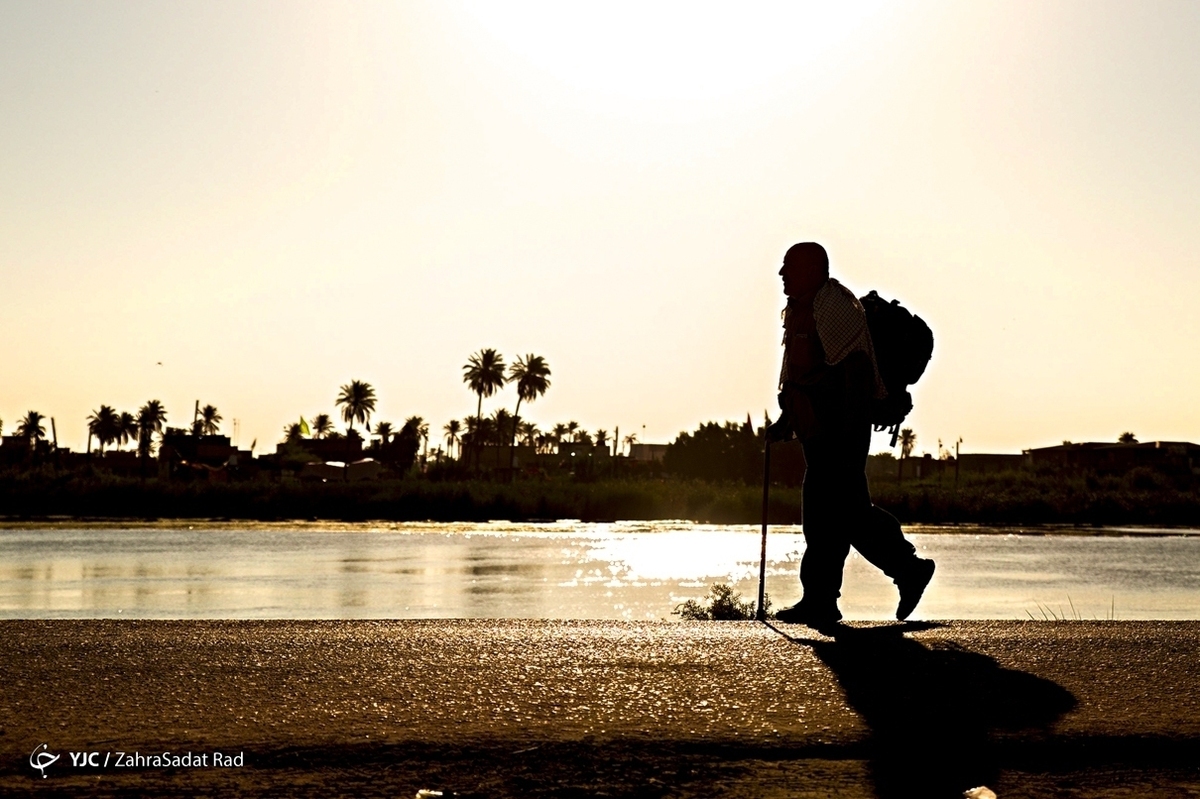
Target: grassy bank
<point>399,500</point>
<point>1014,498</point>
<point>1028,498</point>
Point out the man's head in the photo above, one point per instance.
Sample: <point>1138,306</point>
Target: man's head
<point>805,268</point>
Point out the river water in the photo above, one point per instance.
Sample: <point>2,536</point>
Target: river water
<point>630,570</point>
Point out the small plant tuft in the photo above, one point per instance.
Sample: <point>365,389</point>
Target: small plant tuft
<point>721,604</point>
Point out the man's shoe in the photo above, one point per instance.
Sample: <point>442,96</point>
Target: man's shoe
<point>819,620</point>
<point>913,586</point>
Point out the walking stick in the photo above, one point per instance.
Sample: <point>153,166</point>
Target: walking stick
<point>762,560</point>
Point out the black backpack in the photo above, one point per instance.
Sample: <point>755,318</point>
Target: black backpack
<point>903,346</point>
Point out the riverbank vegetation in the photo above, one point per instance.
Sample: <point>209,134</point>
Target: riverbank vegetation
<point>1001,499</point>
<point>503,467</point>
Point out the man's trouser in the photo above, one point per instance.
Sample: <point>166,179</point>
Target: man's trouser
<point>838,514</point>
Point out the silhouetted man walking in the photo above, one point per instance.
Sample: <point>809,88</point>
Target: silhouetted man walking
<point>828,381</point>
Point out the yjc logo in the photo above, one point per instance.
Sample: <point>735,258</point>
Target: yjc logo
<point>87,759</point>
<point>41,760</point>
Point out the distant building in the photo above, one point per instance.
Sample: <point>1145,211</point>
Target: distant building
<point>924,466</point>
<point>178,445</point>
<point>490,457</point>
<point>184,455</point>
<point>1172,457</point>
<point>123,463</point>
<point>20,451</point>
<point>985,463</point>
<point>342,450</point>
<point>570,449</point>
<point>648,452</point>
<point>15,450</point>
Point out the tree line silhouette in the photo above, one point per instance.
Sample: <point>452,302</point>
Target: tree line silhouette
<point>714,451</point>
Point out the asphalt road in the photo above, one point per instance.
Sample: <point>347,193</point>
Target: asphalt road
<point>542,708</point>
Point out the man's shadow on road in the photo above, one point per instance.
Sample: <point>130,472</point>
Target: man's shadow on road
<point>933,710</point>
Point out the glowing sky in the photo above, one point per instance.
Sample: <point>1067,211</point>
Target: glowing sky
<point>272,199</point>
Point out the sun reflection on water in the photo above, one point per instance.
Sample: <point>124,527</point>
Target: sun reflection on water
<point>630,570</point>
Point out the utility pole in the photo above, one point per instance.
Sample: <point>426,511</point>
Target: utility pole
<point>956,445</point>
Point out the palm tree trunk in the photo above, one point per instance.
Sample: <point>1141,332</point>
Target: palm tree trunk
<point>512,441</point>
<point>478,426</point>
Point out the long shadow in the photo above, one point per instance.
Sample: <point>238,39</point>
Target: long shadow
<point>933,711</point>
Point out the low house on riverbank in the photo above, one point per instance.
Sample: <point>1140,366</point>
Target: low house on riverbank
<point>492,457</point>
<point>344,449</point>
<point>568,450</point>
<point>648,453</point>
<point>15,450</point>
<point>988,463</point>
<point>1168,457</point>
<point>187,456</point>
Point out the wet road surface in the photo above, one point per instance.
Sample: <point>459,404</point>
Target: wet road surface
<point>540,708</point>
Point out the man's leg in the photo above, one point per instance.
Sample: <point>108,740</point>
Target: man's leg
<point>827,543</point>
<point>821,569</point>
<point>878,537</point>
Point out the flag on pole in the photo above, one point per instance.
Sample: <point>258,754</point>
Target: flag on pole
<point>304,431</point>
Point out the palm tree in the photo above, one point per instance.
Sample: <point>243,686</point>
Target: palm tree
<point>103,424</point>
<point>1127,438</point>
<point>532,376</point>
<point>384,431</point>
<point>419,428</point>
<point>601,438</point>
<point>291,432</point>
<point>479,431</point>
<point>452,430</point>
<point>358,403</point>
<point>150,420</point>
<point>572,426</point>
<point>483,374</point>
<point>908,440</point>
<point>528,433</point>
<point>630,440</point>
<point>31,427</point>
<point>558,433</point>
<point>127,428</point>
<point>210,420</point>
<point>502,422</point>
<point>321,425</point>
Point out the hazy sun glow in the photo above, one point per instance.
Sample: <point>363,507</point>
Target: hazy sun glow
<point>271,200</point>
<point>673,51</point>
